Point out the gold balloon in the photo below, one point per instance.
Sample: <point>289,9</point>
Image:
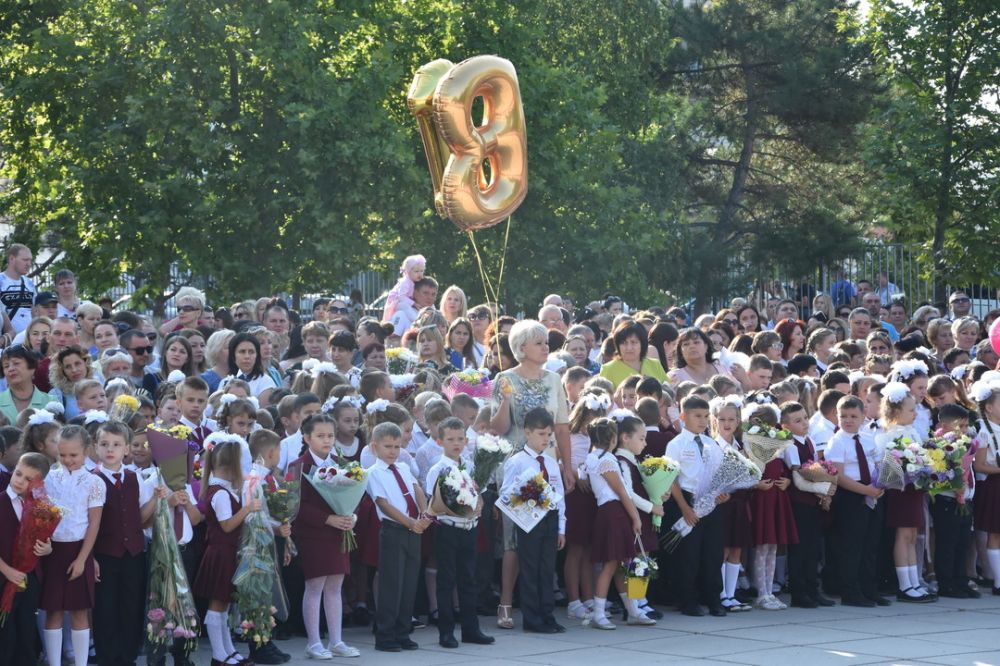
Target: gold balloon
<point>462,190</point>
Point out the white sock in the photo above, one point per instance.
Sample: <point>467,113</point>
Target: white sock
<point>574,605</point>
<point>81,645</point>
<point>642,603</point>
<point>993,556</point>
<point>227,636</point>
<point>915,577</point>
<point>632,606</point>
<point>732,574</point>
<point>589,604</point>
<point>215,626</point>
<point>599,607</point>
<point>903,576</point>
<point>53,646</point>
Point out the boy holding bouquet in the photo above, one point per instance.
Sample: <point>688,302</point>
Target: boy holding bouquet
<point>455,542</point>
<point>536,550</point>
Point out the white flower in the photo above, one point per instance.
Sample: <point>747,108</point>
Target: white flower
<point>493,444</point>
<point>401,381</point>
<point>895,392</point>
<point>753,430</point>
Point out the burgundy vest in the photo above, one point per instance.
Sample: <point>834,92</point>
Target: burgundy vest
<point>806,453</point>
<point>121,524</point>
<point>5,478</point>
<point>216,536</point>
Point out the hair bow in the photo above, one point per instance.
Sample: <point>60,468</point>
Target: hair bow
<point>895,392</point>
<point>95,416</point>
<point>54,407</point>
<point>719,402</point>
<point>620,414</point>
<point>40,417</point>
<point>219,438</point>
<point>596,402</point>
<point>379,405</point>
<point>176,377</point>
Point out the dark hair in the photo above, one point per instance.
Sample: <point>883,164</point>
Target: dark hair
<point>315,419</point>
<point>662,333</point>
<point>800,363</point>
<point>20,351</point>
<point>232,409</point>
<point>648,410</point>
<point>237,340</point>
<point>850,402</point>
<point>832,378</point>
<point>629,425</point>
<point>603,432</point>
<point>371,348</point>
<point>627,329</point>
<point>188,367</point>
<point>538,418</point>
<point>450,423</point>
<point>371,382</point>
<point>692,332</point>
<point>35,461</point>
<point>953,412</point>
<point>344,340</point>
<point>380,330</point>
<point>828,400</point>
<point>649,386</point>
<point>789,408</point>
<point>693,402</point>
<point>740,310</point>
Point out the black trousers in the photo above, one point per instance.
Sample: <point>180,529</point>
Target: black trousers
<point>486,562</point>
<point>399,568</point>
<point>455,549</point>
<point>803,557</point>
<point>697,560</point>
<point>536,557</point>
<point>857,533</point>
<point>952,526</point>
<point>19,634</point>
<point>119,607</point>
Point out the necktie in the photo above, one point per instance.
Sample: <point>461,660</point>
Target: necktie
<point>701,446</point>
<point>411,505</point>
<point>864,472</point>
<point>118,480</point>
<point>541,463</point>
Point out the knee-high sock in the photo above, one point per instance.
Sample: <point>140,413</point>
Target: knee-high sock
<point>215,625</point>
<point>760,578</point>
<point>731,575</point>
<point>81,645</point>
<point>334,607</point>
<point>53,646</point>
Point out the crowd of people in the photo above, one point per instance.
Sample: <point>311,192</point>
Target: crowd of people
<point>583,395</point>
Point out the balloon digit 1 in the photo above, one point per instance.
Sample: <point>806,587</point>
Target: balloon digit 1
<point>441,98</point>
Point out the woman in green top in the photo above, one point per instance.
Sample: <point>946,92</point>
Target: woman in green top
<point>18,364</point>
<point>630,359</point>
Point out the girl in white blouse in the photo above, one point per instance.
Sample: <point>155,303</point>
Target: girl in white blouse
<point>70,572</point>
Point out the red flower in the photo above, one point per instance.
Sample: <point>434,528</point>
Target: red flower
<point>39,519</point>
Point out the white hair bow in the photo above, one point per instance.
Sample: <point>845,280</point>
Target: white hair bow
<point>54,407</point>
<point>895,392</point>
<point>95,416</point>
<point>718,403</point>
<point>217,438</point>
<point>175,377</point>
<point>597,401</point>
<point>379,405</point>
<point>40,417</point>
<point>620,414</point>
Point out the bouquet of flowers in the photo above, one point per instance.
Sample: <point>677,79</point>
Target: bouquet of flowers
<point>638,572</point>
<point>818,471</point>
<point>172,453</point>
<point>474,382</point>
<point>255,573</point>
<point>490,452</point>
<point>658,475</point>
<point>124,408</point>
<point>284,495</point>
<point>39,519</point>
<point>341,487</point>
<point>888,474</point>
<point>949,459</point>
<point>400,360</point>
<point>763,443</point>
<point>172,613</point>
<point>528,500</point>
<point>734,472</point>
<point>454,494</point>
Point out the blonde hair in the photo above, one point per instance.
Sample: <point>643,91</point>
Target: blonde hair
<point>455,289</point>
<point>432,333</point>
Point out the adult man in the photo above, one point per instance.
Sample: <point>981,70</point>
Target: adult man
<point>873,304</point>
<point>554,317</point>
<point>17,291</point>
<point>66,292</point>
<point>424,295</point>
<point>842,291</point>
<point>897,315</point>
<point>886,290</point>
<point>276,317</point>
<point>46,305</point>
<point>860,322</point>
<point>959,305</point>
<point>137,345</point>
<point>65,332</point>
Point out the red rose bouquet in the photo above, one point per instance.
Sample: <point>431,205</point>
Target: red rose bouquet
<point>39,519</point>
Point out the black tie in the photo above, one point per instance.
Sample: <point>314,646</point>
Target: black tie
<point>701,447</point>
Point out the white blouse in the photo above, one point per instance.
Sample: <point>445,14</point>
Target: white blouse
<point>579,444</point>
<point>600,462</point>
<point>220,503</point>
<point>75,493</point>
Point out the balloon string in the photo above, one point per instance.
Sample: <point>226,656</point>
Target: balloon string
<point>493,292</point>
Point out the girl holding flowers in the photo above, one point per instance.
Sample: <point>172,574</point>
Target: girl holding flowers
<point>725,424</point>
<point>986,393</point>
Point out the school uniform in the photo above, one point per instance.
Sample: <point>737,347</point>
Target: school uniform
<point>428,454</point>
<point>656,441</point>
<point>119,551</point>
<point>78,491</point>
<point>986,508</point>
<point>737,518</point>
<point>455,549</point>
<point>199,431</point>
<point>218,563</point>
<point>698,557</point>
<point>952,527</point>
<point>613,536</point>
<point>581,507</point>
<point>804,556</point>
<point>536,550</point>
<point>821,431</point>
<point>320,545</point>
<point>417,439</point>
<point>857,528</point>
<point>5,477</point>
<point>18,635</point>
<point>399,551</point>
<point>903,508</point>
<point>640,498</point>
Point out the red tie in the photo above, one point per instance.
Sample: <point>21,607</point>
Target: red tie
<point>863,471</point>
<point>541,463</point>
<point>118,480</point>
<point>411,505</point>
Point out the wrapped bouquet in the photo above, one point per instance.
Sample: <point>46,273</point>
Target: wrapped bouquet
<point>256,572</point>
<point>341,487</point>
<point>734,472</point>
<point>474,382</point>
<point>454,494</point>
<point>172,453</point>
<point>124,408</point>
<point>658,475</point>
<point>490,452</point>
<point>400,360</point>
<point>949,461</point>
<point>889,473</point>
<point>530,498</point>
<point>763,443</point>
<point>39,519</point>
<point>818,471</point>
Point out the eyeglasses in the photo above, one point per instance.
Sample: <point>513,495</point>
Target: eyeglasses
<point>188,308</point>
<point>731,322</point>
<point>151,337</point>
<point>339,310</point>
<point>239,314</point>
<point>479,317</point>
<point>141,351</point>
<point>777,346</point>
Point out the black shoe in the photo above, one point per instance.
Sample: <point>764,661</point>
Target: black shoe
<point>903,597</point>
<point>407,644</point>
<point>183,661</point>
<point>954,593</point>
<point>996,591</point>
<point>973,594</point>
<point>267,654</point>
<point>717,611</point>
<point>415,624</point>
<point>540,629</point>
<point>281,633</point>
<point>653,614</point>
<point>432,618</point>
<point>693,611</point>
<point>448,642</point>
<point>820,600</point>
<point>880,600</point>
<point>804,602</point>
<point>478,638</point>
<point>859,602</point>
<point>558,627</point>
<point>388,646</point>
<point>361,617</point>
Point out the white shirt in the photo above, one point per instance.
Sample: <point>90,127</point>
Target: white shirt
<point>600,462</point>
<point>579,446</point>
<point>75,493</point>
<point>348,450</point>
<point>290,448</point>
<point>478,351</point>
<point>684,449</point>
<point>841,449</point>
<point>821,431</point>
<point>885,437</point>
<point>15,501</point>
<point>17,297</point>
<point>368,459</point>
<point>431,481</point>
<point>145,487</point>
<point>260,384</point>
<point>922,424</point>
<point>640,502</point>
<point>790,455</point>
<point>382,484</point>
<point>428,454</point>
<point>417,439</point>
<point>989,438</point>
<point>63,311</point>
<point>403,318</point>
<point>526,459</point>
<point>220,503</point>
<point>187,531</point>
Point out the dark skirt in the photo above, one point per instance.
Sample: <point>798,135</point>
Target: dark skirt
<point>986,508</point>
<point>773,520</point>
<point>614,540</point>
<point>581,510</point>
<point>59,593</point>
<point>738,520</point>
<point>367,531</point>
<point>317,559</point>
<point>905,508</point>
<point>215,573</point>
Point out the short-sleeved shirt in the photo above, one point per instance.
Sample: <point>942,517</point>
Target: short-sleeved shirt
<point>842,450</point>
<point>693,463</point>
<point>17,296</point>
<point>547,392</point>
<point>618,371</point>
<point>599,463</point>
<point>382,483</point>
<point>76,493</point>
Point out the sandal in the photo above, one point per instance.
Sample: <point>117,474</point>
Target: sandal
<point>504,618</point>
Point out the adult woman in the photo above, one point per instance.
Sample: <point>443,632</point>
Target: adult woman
<point>460,344</point>
<point>267,340</point>
<point>878,343</point>
<point>725,332</point>
<point>244,362</point>
<point>453,304</point>
<point>70,366</point>
<point>342,346</point>
<point>370,331</point>
<point>663,343</point>
<point>819,345</point>
<point>965,331</point>
<point>823,303</point>
<point>196,337</point>
<point>105,336</point>
<point>840,327</point>
<point>497,326</point>
<point>480,318</point>
<point>190,304</point>
<point>374,357</point>
<point>87,315</point>
<point>769,344</point>
<point>431,317</point>
<point>631,344</point>
<point>114,362</point>
<point>793,337</point>
<point>940,337</point>
<point>430,350</point>
<point>243,311</point>
<point>18,363</point>
<point>516,392</point>
<point>749,318</point>
<point>66,293</point>
<point>694,359</point>
<point>576,346</point>
<point>499,357</point>
<point>175,354</point>
<point>217,356</point>
<point>36,336</point>
<point>924,315</point>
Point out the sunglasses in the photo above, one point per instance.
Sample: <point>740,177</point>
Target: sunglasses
<point>339,310</point>
<point>188,308</point>
<point>111,352</point>
<point>141,351</point>
<point>241,315</point>
<point>151,337</point>
<point>731,322</point>
<point>963,299</point>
